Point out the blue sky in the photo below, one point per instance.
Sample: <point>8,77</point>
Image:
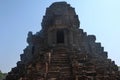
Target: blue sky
<point>17,17</point>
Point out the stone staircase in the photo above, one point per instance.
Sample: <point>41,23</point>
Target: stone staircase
<point>59,66</point>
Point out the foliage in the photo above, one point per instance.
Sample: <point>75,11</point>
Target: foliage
<point>119,68</point>
<point>2,75</point>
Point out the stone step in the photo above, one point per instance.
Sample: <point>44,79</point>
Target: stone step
<point>66,73</point>
<point>66,68</point>
<point>59,58</point>
<point>60,65</point>
<point>66,57</point>
<point>60,61</point>
<point>54,68</point>
<point>67,78</point>
<point>53,74</point>
<point>63,55</point>
<point>59,54</point>
<point>59,77</point>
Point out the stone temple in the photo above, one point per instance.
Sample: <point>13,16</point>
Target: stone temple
<point>63,51</point>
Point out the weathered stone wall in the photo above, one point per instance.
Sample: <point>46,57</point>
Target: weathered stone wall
<point>76,57</point>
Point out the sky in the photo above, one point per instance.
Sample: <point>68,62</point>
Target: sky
<point>17,17</point>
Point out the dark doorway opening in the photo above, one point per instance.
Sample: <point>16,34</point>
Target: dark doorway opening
<point>60,36</point>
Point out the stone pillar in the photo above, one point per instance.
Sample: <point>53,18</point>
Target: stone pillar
<point>49,37</point>
<point>70,37</point>
<point>46,67</point>
<point>66,37</point>
<point>76,78</point>
<point>54,37</point>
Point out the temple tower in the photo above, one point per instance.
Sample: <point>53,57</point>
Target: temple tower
<point>60,24</point>
<point>63,51</point>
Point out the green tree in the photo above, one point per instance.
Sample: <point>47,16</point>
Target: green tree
<point>2,75</point>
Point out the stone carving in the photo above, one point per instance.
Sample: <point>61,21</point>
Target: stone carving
<point>62,51</point>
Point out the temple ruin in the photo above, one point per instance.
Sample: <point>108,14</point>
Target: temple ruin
<point>61,50</point>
